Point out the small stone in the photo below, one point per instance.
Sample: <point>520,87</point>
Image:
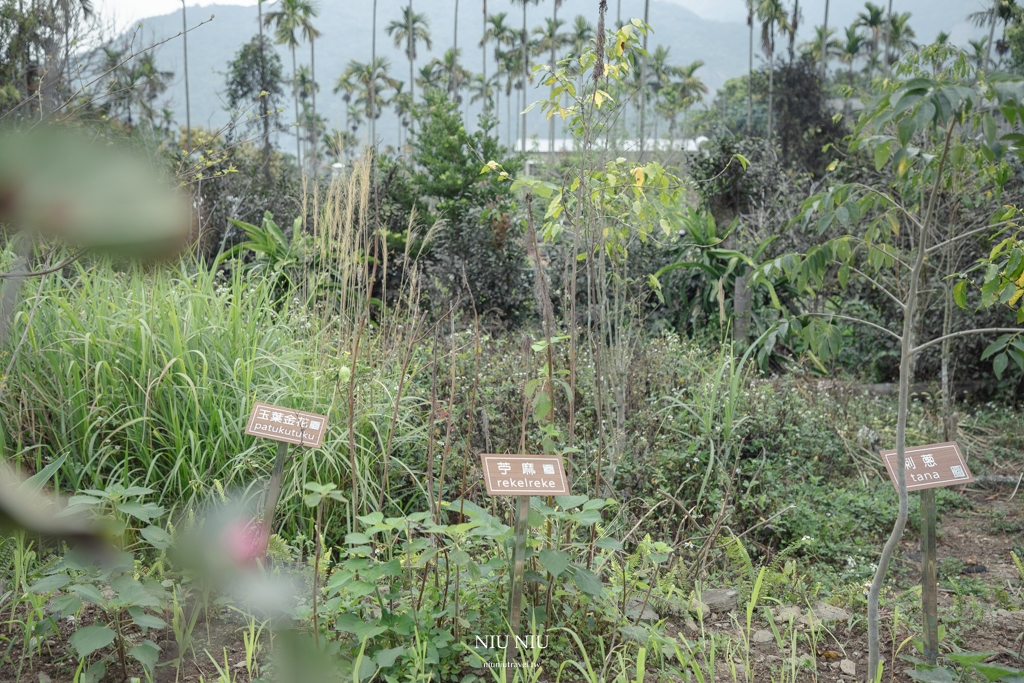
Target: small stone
<point>827,612</point>
<point>784,613</point>
<point>848,667</point>
<point>762,636</point>
<point>720,599</point>
<point>740,670</point>
<point>690,626</point>
<point>43,678</point>
<point>634,607</point>
<point>697,607</point>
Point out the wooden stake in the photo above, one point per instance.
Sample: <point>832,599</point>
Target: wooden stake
<point>929,578</point>
<point>515,604</point>
<point>274,490</point>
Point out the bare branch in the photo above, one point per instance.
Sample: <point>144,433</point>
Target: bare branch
<point>880,287</point>
<point>964,333</point>
<point>892,202</point>
<point>60,266</point>
<point>857,320</point>
<point>962,235</point>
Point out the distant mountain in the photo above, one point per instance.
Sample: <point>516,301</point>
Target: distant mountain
<point>346,29</point>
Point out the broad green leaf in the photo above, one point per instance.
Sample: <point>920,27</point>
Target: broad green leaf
<point>555,561</point>
<point>999,365</point>
<point>145,653</point>
<point>960,293</point>
<point>351,623</point>
<point>358,589</point>
<point>66,605</point>
<point>144,511</point>
<point>994,672</point>
<point>924,115</point>
<point>157,537</point>
<point>388,657</point>
<point>570,502</point>
<point>882,153</point>
<point>357,538</point>
<point>144,619</point>
<point>931,675</point>
<point>993,348</point>
<point>988,124</point>
<point>50,583</point>
<point>587,517</point>
<point>969,657</point>
<point>89,593</point>
<point>372,518</point>
<point>88,639</point>
<point>459,558</point>
<point>608,543</point>
<point>586,580</point>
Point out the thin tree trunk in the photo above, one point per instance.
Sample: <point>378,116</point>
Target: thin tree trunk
<point>455,57</point>
<point>824,46</point>
<point>771,86</point>
<point>298,126</point>
<point>483,42</point>
<point>643,81</point>
<point>846,100</point>
<point>188,107</point>
<point>888,35</point>
<point>410,51</point>
<point>313,134</point>
<point>750,71</point>
<point>508,117</point>
<point>551,121</point>
<point>373,77</point>
<point>264,107</point>
<point>991,32</point>
<point>526,69</point>
<point>906,354</point>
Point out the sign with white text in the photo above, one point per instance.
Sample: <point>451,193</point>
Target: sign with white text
<point>285,424</point>
<point>524,475</point>
<point>929,467</point>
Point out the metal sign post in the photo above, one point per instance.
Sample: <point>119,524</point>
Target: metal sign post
<point>522,476</point>
<point>286,426</point>
<point>928,468</point>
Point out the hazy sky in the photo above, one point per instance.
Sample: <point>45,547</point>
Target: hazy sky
<point>128,11</point>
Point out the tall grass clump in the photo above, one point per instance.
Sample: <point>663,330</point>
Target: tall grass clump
<point>146,375</point>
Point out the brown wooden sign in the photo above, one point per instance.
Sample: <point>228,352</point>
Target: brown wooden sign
<point>285,424</point>
<point>929,467</point>
<point>524,475</point>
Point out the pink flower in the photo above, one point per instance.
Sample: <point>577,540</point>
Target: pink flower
<point>244,541</point>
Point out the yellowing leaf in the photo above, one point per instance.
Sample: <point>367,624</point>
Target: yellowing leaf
<point>638,175</point>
